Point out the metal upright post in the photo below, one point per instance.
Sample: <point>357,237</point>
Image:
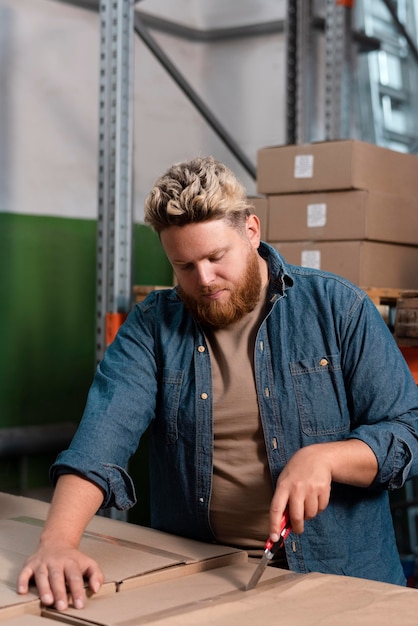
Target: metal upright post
<point>114,224</point>
<point>291,71</point>
<point>306,73</point>
<point>302,74</point>
<point>339,69</point>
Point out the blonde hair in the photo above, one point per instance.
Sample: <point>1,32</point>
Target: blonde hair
<point>199,190</point>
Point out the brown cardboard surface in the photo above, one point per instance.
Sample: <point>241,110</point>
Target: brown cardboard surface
<point>212,596</point>
<point>28,620</point>
<point>178,597</point>
<point>342,215</point>
<point>19,538</point>
<point>120,533</point>
<point>217,597</point>
<point>13,506</point>
<point>260,209</point>
<point>10,598</point>
<point>119,559</point>
<point>332,165</point>
<point>365,263</point>
<point>310,600</point>
<point>124,551</point>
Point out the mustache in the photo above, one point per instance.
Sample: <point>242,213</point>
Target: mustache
<point>206,291</point>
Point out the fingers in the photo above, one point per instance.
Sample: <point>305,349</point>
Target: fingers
<point>51,587</point>
<point>58,581</point>
<point>304,487</point>
<point>95,577</point>
<point>25,575</point>
<point>277,508</point>
<point>300,509</point>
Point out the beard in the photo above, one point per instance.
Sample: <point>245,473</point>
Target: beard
<point>243,298</point>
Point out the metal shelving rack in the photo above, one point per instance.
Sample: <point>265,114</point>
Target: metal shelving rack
<point>320,33</point>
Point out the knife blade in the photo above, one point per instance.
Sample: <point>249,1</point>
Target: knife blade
<point>270,550</point>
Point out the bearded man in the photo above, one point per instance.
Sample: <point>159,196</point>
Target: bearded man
<point>266,387</point>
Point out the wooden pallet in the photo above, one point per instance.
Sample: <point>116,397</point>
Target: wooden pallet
<point>383,295</point>
<point>385,299</point>
<point>141,291</point>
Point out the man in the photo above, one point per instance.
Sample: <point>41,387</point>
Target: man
<point>264,386</point>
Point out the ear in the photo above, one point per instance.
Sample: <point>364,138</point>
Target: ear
<point>253,230</point>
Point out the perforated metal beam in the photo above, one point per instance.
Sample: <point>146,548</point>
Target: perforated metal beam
<point>338,70</point>
<point>114,224</point>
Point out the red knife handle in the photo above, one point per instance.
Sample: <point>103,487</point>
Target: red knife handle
<point>285,529</point>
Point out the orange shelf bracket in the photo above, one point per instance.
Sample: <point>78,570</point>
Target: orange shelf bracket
<point>410,354</point>
<point>113,322</point>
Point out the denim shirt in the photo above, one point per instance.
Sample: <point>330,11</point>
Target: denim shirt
<point>326,369</point>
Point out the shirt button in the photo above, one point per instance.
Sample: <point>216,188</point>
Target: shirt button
<point>204,396</point>
<point>323,362</point>
<point>201,349</point>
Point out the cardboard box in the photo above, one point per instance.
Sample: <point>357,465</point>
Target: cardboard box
<point>180,597</point>
<point>342,215</point>
<point>218,598</point>
<point>260,209</point>
<point>26,619</point>
<point>365,263</point>
<point>336,165</point>
<point>124,551</point>
<point>213,596</point>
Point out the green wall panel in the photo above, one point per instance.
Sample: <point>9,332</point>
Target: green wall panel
<point>47,320</point>
<point>47,278</point>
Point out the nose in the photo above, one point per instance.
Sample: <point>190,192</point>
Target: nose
<point>204,273</point>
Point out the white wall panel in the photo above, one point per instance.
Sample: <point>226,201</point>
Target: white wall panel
<point>206,14</point>
<point>49,104</point>
<point>49,70</point>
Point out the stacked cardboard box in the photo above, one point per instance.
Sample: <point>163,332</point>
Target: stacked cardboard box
<point>343,206</point>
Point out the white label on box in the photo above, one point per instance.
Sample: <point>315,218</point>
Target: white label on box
<point>311,258</point>
<point>303,166</point>
<point>316,215</point>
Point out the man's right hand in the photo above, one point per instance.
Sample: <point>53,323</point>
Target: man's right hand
<point>58,568</point>
<point>59,572</point>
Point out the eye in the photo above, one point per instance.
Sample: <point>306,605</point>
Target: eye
<point>216,258</point>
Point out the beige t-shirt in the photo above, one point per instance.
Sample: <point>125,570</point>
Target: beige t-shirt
<point>242,487</point>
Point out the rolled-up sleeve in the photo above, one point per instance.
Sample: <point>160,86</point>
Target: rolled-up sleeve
<point>383,398</point>
<point>115,482</point>
<point>120,406</point>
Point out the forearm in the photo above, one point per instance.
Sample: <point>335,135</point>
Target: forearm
<point>351,462</point>
<point>75,502</point>
<point>304,485</point>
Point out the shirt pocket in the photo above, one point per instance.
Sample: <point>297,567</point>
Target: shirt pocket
<point>165,425</point>
<point>320,395</point>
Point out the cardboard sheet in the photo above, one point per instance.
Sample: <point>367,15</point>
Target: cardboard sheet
<point>19,538</point>
<point>29,620</point>
<point>9,597</point>
<point>177,597</point>
<point>168,581</point>
<point>218,598</point>
<point>119,558</point>
<point>117,533</point>
<point>15,506</point>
